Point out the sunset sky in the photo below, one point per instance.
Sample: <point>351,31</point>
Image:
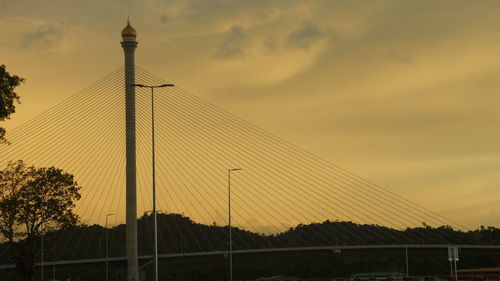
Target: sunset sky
<point>402,93</point>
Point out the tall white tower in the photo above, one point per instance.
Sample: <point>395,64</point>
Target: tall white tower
<point>129,44</point>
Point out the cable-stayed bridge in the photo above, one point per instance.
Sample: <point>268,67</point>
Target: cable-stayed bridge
<point>280,187</point>
<point>284,199</point>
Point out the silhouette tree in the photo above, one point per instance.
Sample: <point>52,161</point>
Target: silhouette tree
<point>12,179</point>
<point>8,97</point>
<point>34,201</point>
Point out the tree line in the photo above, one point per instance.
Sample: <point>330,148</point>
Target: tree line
<point>180,234</point>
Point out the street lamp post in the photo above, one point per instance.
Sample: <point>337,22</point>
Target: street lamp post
<point>155,240</point>
<point>107,247</point>
<point>229,217</point>
<point>54,264</point>
<point>41,255</point>
<point>41,233</point>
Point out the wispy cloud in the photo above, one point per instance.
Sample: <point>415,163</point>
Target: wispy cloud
<point>306,35</point>
<point>233,44</point>
<point>397,57</point>
<point>44,36</point>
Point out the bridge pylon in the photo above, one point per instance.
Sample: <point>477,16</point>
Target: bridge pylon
<point>129,43</point>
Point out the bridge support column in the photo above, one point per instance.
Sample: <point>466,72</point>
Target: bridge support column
<point>129,44</point>
<point>406,262</point>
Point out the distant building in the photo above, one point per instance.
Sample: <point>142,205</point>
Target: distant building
<point>289,278</point>
<point>389,276</point>
<point>279,278</point>
<point>492,273</point>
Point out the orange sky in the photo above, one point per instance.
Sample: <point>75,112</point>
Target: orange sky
<point>402,93</point>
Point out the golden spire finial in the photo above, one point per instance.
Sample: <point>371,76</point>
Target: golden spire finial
<point>129,31</point>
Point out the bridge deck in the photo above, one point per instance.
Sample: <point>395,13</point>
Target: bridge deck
<point>268,250</point>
